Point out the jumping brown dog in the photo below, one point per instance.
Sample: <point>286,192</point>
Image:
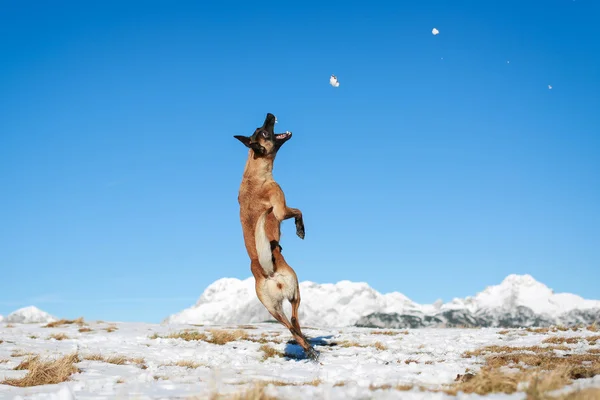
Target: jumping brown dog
<point>262,209</point>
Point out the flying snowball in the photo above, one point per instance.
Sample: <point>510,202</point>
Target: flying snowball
<point>550,87</point>
<point>333,81</point>
<point>435,31</point>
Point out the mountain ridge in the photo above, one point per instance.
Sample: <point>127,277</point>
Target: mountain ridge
<point>29,315</point>
<point>519,300</point>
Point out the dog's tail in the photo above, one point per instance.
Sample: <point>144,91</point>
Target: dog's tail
<point>263,246</point>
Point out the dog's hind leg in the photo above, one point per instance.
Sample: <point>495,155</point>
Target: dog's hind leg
<point>295,301</point>
<point>295,305</point>
<point>270,292</point>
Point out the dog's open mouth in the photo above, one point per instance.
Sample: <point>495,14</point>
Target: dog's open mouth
<point>283,136</point>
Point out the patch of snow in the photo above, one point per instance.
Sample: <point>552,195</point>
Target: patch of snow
<point>29,315</point>
<point>435,31</point>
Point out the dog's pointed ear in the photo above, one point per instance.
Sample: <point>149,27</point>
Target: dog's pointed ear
<point>244,139</point>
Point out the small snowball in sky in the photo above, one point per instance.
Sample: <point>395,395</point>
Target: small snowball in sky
<point>333,81</point>
<point>435,31</point>
<point>549,86</point>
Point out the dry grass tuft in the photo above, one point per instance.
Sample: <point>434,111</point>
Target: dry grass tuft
<point>584,394</point>
<point>593,327</point>
<point>46,372</point>
<point>222,336</point>
<point>262,340</point>
<point>572,340</point>
<point>269,352</point>
<point>21,353</point>
<point>111,328</point>
<point>411,360</point>
<point>25,364</point>
<point>314,382</point>
<point>487,380</point>
<point>9,326</point>
<point>386,386</point>
<point>348,343</point>
<point>247,327</point>
<point>562,340</point>
<point>217,336</point>
<point>594,351</point>
<point>509,349</point>
<point>94,357</point>
<point>185,364</point>
<point>84,329</point>
<point>539,367</point>
<point>504,332</point>
<point>120,381</point>
<point>79,321</point>
<point>380,346</point>
<point>538,330</point>
<point>58,336</point>
<point>115,359</point>
<point>340,383</point>
<point>3,360</point>
<point>137,360</point>
<point>185,335</point>
<point>255,392</point>
<point>557,328</point>
<point>593,339</point>
<point>30,337</point>
<point>389,333</point>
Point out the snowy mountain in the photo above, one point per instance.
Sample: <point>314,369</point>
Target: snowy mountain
<point>519,300</point>
<point>29,315</point>
<point>234,301</point>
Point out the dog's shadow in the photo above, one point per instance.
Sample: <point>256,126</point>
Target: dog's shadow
<point>293,351</point>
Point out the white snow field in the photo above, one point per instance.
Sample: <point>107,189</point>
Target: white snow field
<point>355,363</point>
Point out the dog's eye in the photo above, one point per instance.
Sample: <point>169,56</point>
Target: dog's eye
<point>265,134</point>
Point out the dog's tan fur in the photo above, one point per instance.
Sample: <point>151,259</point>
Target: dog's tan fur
<point>262,209</point>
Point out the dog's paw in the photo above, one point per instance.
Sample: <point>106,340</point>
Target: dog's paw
<point>312,354</point>
<point>300,231</point>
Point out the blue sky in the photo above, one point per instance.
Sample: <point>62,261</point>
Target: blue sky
<point>436,168</point>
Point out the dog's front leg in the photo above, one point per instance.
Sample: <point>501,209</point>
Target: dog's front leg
<point>283,212</point>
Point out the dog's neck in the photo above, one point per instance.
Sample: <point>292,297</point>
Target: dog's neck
<point>259,168</point>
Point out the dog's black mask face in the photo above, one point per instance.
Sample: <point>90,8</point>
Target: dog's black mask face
<point>264,141</point>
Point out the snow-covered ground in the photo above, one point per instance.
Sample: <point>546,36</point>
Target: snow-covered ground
<point>350,357</point>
